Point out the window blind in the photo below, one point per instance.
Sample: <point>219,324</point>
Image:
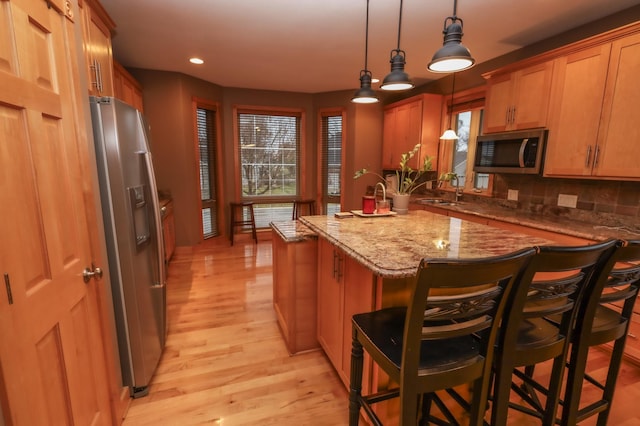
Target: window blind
<point>206,127</point>
<point>331,135</point>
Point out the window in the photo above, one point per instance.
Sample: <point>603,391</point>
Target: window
<point>269,144</point>
<point>331,145</point>
<point>458,154</point>
<point>206,127</point>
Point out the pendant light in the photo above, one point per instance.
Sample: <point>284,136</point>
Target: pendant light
<point>365,94</point>
<point>397,79</point>
<point>450,134</point>
<point>453,55</point>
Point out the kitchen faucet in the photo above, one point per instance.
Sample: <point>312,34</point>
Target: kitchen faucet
<point>458,190</point>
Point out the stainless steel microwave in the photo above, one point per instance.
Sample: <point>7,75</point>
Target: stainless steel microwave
<point>510,152</point>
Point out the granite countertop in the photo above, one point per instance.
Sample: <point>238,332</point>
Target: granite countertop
<point>393,246</point>
<point>292,231</point>
<point>562,225</point>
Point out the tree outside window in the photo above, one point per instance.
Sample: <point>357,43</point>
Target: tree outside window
<point>268,154</point>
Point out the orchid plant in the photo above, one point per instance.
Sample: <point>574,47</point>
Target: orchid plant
<point>408,178</point>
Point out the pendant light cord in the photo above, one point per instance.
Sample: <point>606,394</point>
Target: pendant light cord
<point>399,24</point>
<point>453,88</point>
<point>366,38</point>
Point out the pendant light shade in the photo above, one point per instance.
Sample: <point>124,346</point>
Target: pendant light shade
<point>365,94</point>
<point>450,134</point>
<point>397,79</point>
<point>453,55</point>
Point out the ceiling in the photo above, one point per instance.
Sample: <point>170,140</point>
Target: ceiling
<point>314,46</point>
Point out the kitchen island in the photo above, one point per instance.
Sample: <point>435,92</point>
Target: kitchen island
<point>294,248</point>
<point>392,246</point>
<point>368,263</point>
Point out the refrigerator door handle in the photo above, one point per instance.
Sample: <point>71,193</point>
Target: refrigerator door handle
<point>156,217</point>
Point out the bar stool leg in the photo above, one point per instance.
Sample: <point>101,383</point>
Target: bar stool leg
<point>253,224</point>
<point>239,208</point>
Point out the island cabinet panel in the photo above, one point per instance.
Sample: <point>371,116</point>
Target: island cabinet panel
<point>519,99</point>
<point>415,120</point>
<point>594,118</point>
<point>330,302</point>
<point>294,291</point>
<point>344,288</point>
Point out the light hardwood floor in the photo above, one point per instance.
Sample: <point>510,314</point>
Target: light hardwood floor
<point>225,362</point>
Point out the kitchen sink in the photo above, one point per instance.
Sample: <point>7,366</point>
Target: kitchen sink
<point>438,202</point>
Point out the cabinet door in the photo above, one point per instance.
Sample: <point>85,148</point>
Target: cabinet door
<point>619,151</point>
<point>126,87</point>
<point>531,97</point>
<point>410,122</point>
<point>169,235</point>
<point>518,100</point>
<point>55,368</point>
<point>97,26</point>
<point>402,131</point>
<point>498,103</point>
<point>358,298</point>
<point>388,139</point>
<point>576,105</point>
<point>330,301</point>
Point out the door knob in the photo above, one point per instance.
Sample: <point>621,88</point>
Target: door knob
<point>93,272</point>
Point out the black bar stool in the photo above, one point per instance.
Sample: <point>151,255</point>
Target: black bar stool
<point>308,205</point>
<point>242,217</point>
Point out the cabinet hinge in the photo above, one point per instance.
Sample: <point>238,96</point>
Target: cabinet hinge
<point>7,284</point>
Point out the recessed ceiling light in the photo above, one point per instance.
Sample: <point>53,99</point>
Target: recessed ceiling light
<point>196,61</point>
<point>375,80</point>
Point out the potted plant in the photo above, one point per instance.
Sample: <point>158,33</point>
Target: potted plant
<point>408,178</point>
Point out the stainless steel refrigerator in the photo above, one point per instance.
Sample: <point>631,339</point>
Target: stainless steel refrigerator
<point>133,231</point>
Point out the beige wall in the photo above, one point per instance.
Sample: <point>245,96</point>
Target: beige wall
<point>167,99</point>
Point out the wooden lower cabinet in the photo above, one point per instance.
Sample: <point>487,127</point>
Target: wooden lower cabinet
<point>168,231</point>
<point>345,288</point>
<point>295,291</point>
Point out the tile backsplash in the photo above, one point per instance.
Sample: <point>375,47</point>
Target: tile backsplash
<point>598,201</point>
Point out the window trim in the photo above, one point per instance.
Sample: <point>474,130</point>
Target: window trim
<point>328,112</point>
<point>465,100</point>
<point>196,103</point>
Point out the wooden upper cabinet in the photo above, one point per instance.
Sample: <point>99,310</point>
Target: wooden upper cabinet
<point>96,30</point>
<point>407,123</point>
<point>619,133</point>
<point>519,99</point>
<point>576,105</point>
<point>401,131</point>
<point>126,87</point>
<point>593,128</point>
